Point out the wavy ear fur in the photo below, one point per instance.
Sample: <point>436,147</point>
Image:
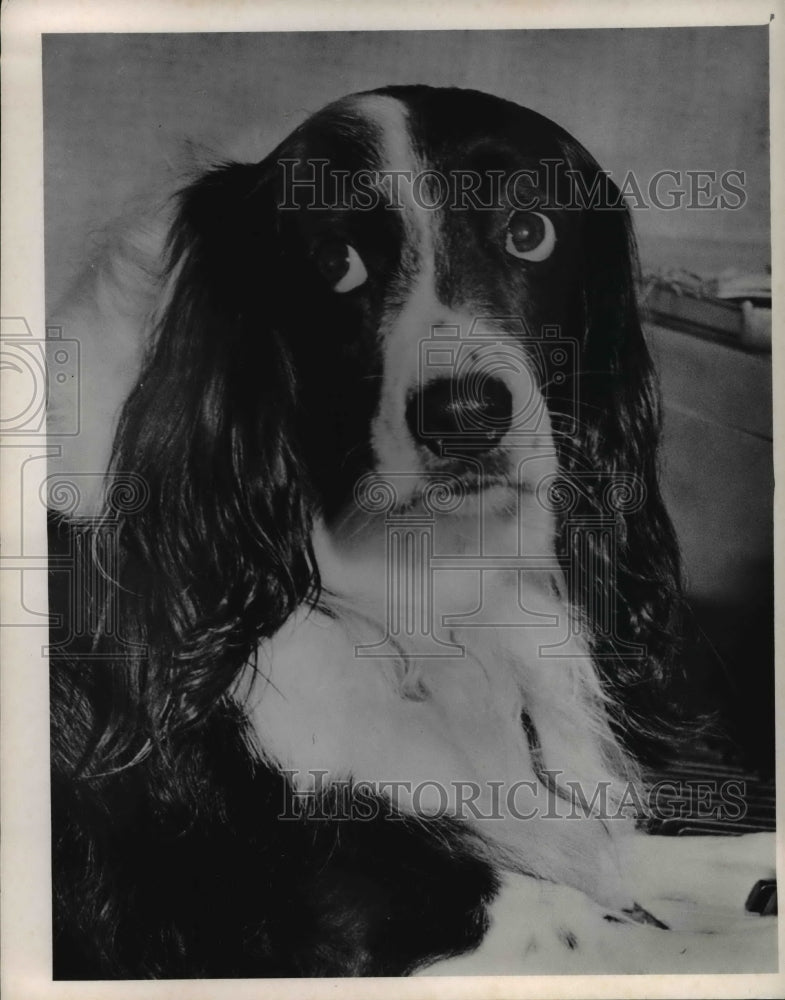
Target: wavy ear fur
<point>219,554</point>
<point>628,582</point>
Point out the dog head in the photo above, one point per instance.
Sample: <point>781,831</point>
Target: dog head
<point>417,285</point>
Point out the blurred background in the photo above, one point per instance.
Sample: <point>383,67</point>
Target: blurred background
<point>118,107</point>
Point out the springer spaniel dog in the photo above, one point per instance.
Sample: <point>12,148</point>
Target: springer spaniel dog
<point>371,600</point>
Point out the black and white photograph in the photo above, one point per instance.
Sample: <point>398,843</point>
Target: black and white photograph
<point>406,454</point>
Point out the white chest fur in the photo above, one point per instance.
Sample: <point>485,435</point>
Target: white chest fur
<point>438,731</point>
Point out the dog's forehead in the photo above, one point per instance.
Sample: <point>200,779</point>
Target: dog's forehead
<point>402,128</point>
<point>435,125</point>
<point>409,146</point>
<point>389,123</point>
<point>398,155</point>
<point>360,131</point>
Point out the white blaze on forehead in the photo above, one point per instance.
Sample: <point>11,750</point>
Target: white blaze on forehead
<point>416,320</point>
<point>403,334</point>
<point>397,156</point>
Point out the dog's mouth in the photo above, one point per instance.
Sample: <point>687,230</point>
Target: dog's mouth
<point>454,489</point>
<point>475,467</point>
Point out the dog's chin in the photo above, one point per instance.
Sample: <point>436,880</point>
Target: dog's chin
<point>462,498</point>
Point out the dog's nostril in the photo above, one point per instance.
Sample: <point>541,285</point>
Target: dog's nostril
<point>474,412</point>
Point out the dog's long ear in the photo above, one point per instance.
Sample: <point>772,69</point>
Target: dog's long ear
<point>219,551</point>
<point>630,586</point>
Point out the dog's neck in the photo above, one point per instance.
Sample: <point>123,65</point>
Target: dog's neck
<point>365,688</point>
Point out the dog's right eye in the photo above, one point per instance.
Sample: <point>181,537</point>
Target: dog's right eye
<point>341,265</point>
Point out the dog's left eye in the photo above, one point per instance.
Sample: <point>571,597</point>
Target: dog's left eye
<point>530,236</point>
<point>341,265</point>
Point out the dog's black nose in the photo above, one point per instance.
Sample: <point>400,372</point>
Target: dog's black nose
<point>465,412</point>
